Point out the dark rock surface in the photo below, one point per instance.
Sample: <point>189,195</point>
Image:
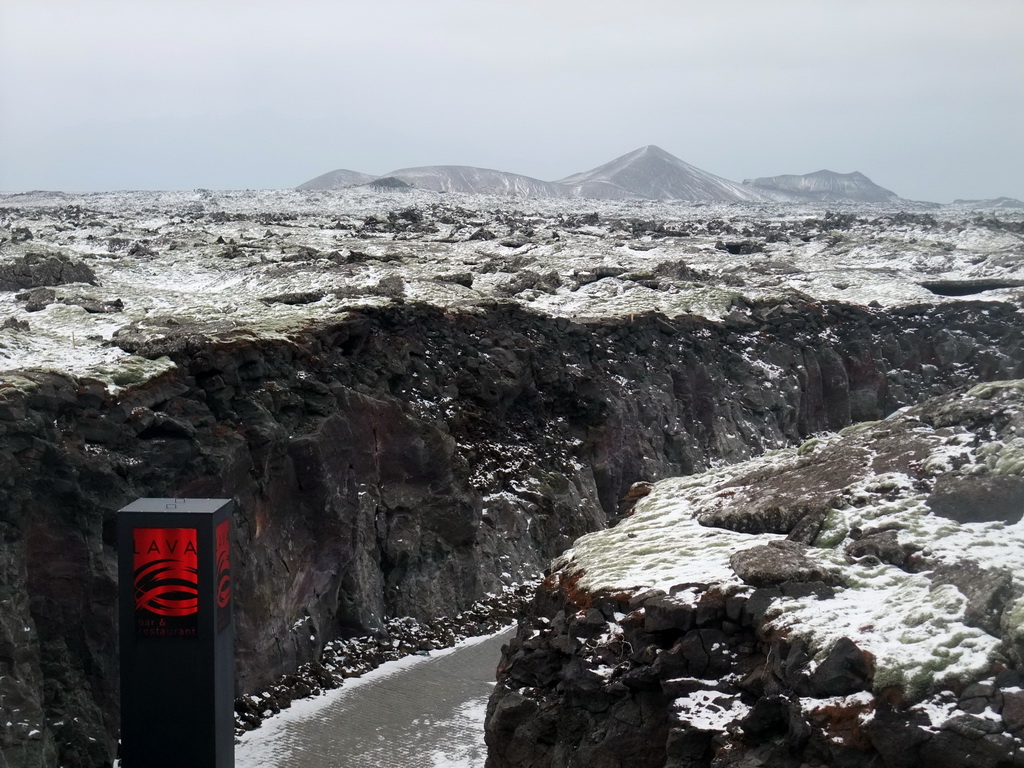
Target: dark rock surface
<point>967,287</point>
<point>403,461</point>
<point>564,699</point>
<point>672,692</point>
<point>14,324</point>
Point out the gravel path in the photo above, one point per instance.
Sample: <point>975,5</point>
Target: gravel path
<point>418,712</point>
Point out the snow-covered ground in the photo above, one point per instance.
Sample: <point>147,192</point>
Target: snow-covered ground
<point>224,262</point>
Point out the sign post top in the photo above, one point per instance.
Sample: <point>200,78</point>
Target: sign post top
<point>189,506</point>
<point>176,633</point>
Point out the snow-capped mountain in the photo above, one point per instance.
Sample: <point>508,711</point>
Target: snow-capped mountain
<point>338,179</point>
<point>824,186</point>
<point>470,180</point>
<point>652,173</point>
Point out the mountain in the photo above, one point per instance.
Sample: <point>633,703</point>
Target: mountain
<point>648,173</point>
<point>338,179</point>
<point>998,202</point>
<point>823,186</point>
<point>467,179</point>
<point>652,173</point>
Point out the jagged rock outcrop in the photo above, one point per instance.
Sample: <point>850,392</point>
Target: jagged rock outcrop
<point>388,184</point>
<point>702,632</point>
<point>35,270</point>
<point>405,459</point>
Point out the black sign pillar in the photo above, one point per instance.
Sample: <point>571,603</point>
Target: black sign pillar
<point>177,634</point>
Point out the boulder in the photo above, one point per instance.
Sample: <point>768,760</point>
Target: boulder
<point>781,562</point>
<point>844,671</point>
<point>979,498</point>
<point>882,546</point>
<point>987,589</point>
<point>37,299</point>
<point>43,269</point>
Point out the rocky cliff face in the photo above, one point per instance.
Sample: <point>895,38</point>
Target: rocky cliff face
<point>404,460</point>
<point>853,602</point>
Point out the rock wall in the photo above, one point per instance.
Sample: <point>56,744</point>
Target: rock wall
<point>403,461</point>
<point>854,602</point>
<point>645,681</point>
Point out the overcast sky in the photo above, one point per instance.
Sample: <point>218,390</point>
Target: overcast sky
<point>926,97</point>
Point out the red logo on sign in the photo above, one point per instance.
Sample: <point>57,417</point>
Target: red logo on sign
<point>224,563</point>
<point>166,567</point>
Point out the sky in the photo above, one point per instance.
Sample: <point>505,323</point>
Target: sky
<point>926,97</point>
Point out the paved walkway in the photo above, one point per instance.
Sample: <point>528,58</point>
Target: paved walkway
<point>419,712</point>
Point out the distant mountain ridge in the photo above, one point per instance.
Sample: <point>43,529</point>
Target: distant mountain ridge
<point>470,180</point>
<point>825,186</point>
<point>647,173</point>
<point>338,179</point>
<point>997,202</point>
